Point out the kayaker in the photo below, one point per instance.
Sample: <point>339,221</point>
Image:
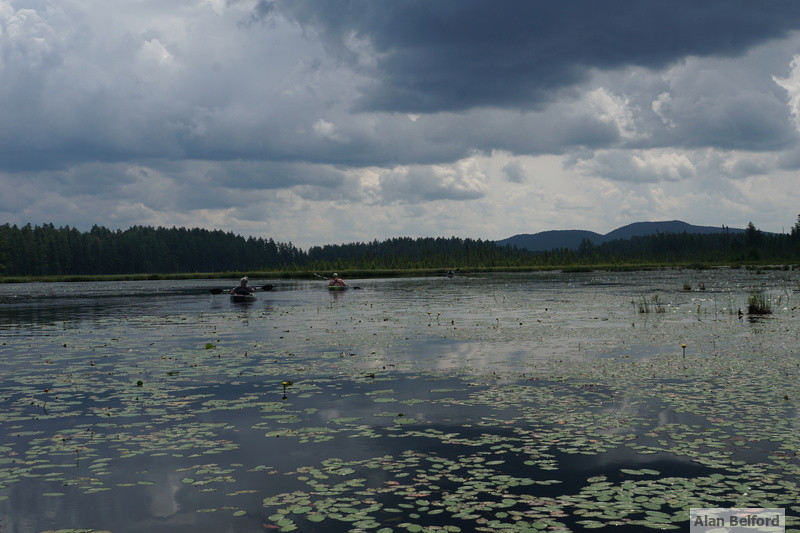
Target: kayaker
<point>336,281</point>
<point>243,288</point>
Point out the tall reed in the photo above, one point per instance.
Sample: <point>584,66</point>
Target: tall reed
<point>759,303</point>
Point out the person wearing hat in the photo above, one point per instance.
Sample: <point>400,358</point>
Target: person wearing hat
<point>243,289</point>
<point>336,281</point>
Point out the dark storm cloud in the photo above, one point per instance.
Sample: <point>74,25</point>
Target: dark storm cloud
<point>299,113</point>
<point>711,102</point>
<point>450,55</point>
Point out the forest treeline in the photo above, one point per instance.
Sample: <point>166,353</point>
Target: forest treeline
<point>47,250</point>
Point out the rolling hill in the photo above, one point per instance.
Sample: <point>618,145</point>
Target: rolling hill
<point>571,239</point>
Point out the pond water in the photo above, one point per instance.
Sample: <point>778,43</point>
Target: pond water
<point>499,402</point>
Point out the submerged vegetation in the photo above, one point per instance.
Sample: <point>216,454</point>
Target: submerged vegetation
<point>50,251</point>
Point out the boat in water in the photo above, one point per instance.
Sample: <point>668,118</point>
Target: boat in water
<point>239,298</point>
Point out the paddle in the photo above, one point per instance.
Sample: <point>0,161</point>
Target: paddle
<point>267,287</point>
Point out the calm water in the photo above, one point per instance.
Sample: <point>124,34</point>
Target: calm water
<point>478,403</point>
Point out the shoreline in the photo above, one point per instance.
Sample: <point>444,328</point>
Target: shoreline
<point>386,273</point>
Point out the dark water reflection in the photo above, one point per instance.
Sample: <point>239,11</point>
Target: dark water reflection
<point>158,406</point>
<point>147,491</point>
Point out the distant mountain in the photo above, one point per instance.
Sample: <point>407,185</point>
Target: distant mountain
<point>548,240</point>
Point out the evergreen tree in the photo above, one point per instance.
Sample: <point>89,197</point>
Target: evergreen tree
<point>47,250</point>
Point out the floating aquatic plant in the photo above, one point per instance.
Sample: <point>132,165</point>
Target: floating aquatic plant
<point>576,421</point>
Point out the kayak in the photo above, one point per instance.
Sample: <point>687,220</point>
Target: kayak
<point>338,287</point>
<point>243,297</point>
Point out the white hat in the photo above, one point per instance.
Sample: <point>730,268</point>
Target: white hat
<point>335,275</point>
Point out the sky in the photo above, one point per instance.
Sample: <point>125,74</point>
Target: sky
<point>331,121</point>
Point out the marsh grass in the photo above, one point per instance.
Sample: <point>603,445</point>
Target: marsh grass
<point>297,273</point>
<point>651,305</point>
<point>759,303</point>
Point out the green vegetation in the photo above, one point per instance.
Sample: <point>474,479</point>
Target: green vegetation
<point>759,303</point>
<point>47,250</point>
<point>66,254</point>
<point>652,305</point>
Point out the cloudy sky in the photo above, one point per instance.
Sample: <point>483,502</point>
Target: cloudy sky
<point>328,121</point>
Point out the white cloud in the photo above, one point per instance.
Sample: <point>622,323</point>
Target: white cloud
<point>639,166</point>
<point>196,113</point>
<point>743,165</point>
<point>155,51</point>
<point>326,129</point>
<point>791,84</point>
<point>662,106</point>
<point>613,110</point>
<point>463,180</point>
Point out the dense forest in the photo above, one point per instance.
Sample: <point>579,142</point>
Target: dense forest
<point>750,246</point>
<point>47,251</point>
